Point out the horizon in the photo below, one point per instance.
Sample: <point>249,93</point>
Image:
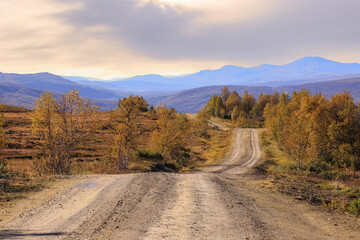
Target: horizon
<point>120,39</point>
<point>90,78</point>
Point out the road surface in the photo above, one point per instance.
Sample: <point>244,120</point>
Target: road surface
<point>217,202</point>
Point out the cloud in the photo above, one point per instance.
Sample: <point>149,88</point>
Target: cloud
<point>168,31</point>
<point>113,38</point>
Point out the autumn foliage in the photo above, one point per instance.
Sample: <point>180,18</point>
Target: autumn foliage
<point>61,124</point>
<point>243,110</point>
<point>317,133</point>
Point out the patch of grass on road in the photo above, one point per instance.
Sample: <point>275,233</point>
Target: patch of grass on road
<point>219,144</point>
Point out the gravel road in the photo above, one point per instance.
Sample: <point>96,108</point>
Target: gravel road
<point>217,202</point>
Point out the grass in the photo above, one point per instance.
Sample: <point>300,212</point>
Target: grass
<point>336,194</point>
<point>219,145</point>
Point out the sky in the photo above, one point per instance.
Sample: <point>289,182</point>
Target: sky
<point>123,38</point>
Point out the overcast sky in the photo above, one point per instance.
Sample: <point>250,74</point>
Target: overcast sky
<point>122,38</point>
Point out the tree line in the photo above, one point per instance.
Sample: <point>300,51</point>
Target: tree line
<point>318,133</point>
<point>240,109</point>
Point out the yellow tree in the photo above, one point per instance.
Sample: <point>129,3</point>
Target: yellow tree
<point>248,102</point>
<point>3,171</point>
<point>61,125</point>
<point>202,123</point>
<point>234,100</point>
<point>171,136</point>
<point>344,131</point>
<point>225,93</point>
<point>126,129</point>
<point>296,130</point>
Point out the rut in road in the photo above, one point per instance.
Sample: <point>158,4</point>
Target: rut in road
<point>214,203</point>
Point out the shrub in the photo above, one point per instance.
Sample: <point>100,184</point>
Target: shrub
<point>4,173</point>
<point>354,207</point>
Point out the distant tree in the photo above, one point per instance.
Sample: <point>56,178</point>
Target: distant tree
<point>225,94</point>
<point>211,105</point>
<point>248,102</point>
<point>61,125</point>
<point>233,101</point>
<point>235,113</point>
<point>256,111</point>
<point>129,108</point>
<point>220,108</point>
<point>202,123</point>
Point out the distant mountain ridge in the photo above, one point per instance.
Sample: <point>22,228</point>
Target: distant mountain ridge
<point>44,81</point>
<point>23,89</point>
<point>305,70</point>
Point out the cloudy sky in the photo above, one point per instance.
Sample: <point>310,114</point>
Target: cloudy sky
<point>122,38</point>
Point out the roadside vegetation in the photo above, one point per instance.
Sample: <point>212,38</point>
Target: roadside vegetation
<point>311,143</point>
<point>68,134</point>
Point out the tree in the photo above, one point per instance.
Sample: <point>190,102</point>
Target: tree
<point>211,105</point>
<point>127,129</point>
<point>202,123</point>
<point>225,93</point>
<point>235,113</point>
<point>3,163</point>
<point>248,102</point>
<point>219,108</point>
<point>296,128</point>
<point>129,109</point>
<point>344,130</point>
<point>61,125</point>
<point>171,136</point>
<point>121,151</point>
<point>233,101</point>
<point>256,111</point>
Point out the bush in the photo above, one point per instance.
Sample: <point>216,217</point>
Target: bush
<point>148,154</point>
<point>354,207</point>
<point>4,173</point>
<point>335,175</point>
<point>319,166</point>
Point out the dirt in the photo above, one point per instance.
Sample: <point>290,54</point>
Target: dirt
<point>218,202</point>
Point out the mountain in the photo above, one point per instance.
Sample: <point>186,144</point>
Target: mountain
<point>44,81</point>
<point>195,99</point>
<point>305,70</point>
<point>17,95</point>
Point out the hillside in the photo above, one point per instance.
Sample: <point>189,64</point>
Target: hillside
<point>194,99</point>
<point>17,95</point>
<point>56,83</point>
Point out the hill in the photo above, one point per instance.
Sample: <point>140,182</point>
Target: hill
<point>17,95</point>
<point>43,81</point>
<point>194,99</point>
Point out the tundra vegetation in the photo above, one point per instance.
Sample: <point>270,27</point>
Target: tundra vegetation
<point>67,134</point>
<point>306,134</point>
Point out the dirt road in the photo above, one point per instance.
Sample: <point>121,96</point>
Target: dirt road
<point>218,202</point>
